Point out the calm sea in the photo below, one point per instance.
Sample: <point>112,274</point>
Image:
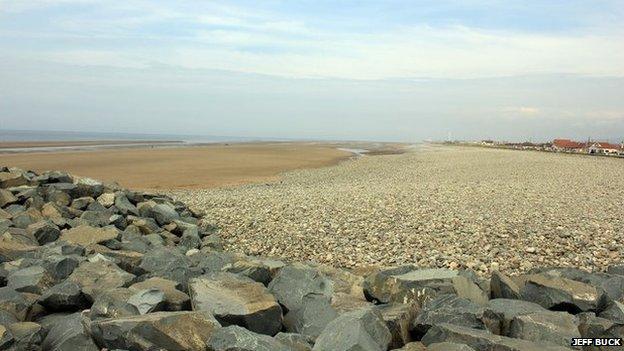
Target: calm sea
<point>38,135</point>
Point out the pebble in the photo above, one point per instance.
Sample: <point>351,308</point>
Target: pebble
<point>434,206</point>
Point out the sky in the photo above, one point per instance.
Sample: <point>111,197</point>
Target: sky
<point>316,69</point>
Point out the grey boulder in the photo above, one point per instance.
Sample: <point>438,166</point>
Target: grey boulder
<point>236,300</point>
<point>363,329</point>
<point>182,330</point>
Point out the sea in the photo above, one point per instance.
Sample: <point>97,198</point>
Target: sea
<point>136,139</point>
<point>41,135</point>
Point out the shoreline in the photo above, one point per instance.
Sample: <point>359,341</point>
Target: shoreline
<point>188,166</point>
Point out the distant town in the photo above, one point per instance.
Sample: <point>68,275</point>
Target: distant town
<point>599,148</point>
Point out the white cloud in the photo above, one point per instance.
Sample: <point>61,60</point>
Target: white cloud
<point>270,43</point>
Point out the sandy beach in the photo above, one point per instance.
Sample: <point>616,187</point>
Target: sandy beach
<point>435,207</point>
<point>184,167</point>
<point>57,144</point>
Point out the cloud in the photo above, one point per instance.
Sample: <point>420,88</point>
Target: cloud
<point>211,35</point>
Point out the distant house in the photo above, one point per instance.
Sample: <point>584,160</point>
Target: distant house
<point>605,148</point>
<point>568,145</point>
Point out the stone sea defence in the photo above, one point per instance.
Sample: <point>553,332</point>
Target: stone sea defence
<point>90,266</point>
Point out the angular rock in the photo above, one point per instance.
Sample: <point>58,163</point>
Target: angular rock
<point>27,335</point>
<point>259,269</point>
<point>236,300</point>
<point>560,293</point>
<point>106,199</point>
<point>482,340</point>
<point>129,261</point>
<point>12,249</point>
<point>96,277</point>
<point>113,303</point>
<point>498,313</point>
<point>34,280</point>
<point>68,334</point>
<point>413,346</point>
<point>398,319</point>
<point>97,218</point>
<point>502,287</point>
<point>408,284</point>
<point>81,203</point>
<point>175,300</point>
<point>240,339</point>
<point>295,281</point>
<point>616,269</point>
<point>160,330</point>
<point>65,296</point>
<point>25,218</point>
<point>555,328</point>
<point>88,187</point>
<point>169,264</point>
<point>613,310</point>
<point>6,338</point>
<point>312,316</point>
<point>449,346</point>
<point>12,178</point>
<point>295,342</point>
<point>21,236</point>
<point>358,330</point>
<point>44,231</point>
<point>16,303</point>
<point>190,239</point>
<point>148,300</point>
<point>163,213</point>
<point>86,235</point>
<point>449,309</point>
<point>6,198</point>
<point>124,206</point>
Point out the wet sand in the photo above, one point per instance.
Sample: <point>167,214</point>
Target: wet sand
<point>53,144</point>
<point>184,167</point>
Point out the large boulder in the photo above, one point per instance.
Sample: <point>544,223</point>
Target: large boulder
<point>33,279</point>
<point>175,300</point>
<point>163,213</point>
<point>498,313</point>
<point>363,329</point>
<point>502,287</point>
<point>235,338</point>
<point>449,346</point>
<point>295,281</point>
<point>182,330</point>
<point>87,235</point>
<point>6,198</point>
<point>113,303</point>
<point>65,296</point>
<point>27,335</point>
<point>236,300</point>
<point>399,319</point>
<point>13,178</point>
<point>296,342</point>
<point>20,305</point>
<point>449,309</point>
<point>408,284</point>
<point>558,293</point>
<point>11,248</point>
<point>259,269</point>
<point>124,205</point>
<point>311,317</point>
<point>170,264</point>
<point>68,333</point>
<point>44,231</point>
<point>96,277</point>
<point>482,339</point>
<point>556,328</point>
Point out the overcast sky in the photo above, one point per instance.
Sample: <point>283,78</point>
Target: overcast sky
<point>381,70</point>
